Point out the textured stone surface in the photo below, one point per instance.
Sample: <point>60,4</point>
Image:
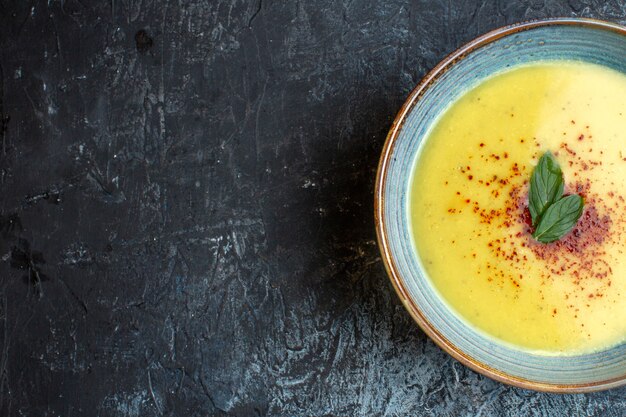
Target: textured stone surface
<point>186,214</point>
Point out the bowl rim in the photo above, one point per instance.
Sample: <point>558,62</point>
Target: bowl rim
<point>379,197</point>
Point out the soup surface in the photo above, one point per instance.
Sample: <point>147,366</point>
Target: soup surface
<point>469,198</point>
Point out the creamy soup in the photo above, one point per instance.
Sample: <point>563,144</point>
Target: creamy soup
<point>469,198</point>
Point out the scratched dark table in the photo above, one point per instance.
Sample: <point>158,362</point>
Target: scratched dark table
<point>186,210</point>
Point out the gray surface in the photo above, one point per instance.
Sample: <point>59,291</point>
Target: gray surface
<point>187,214</point>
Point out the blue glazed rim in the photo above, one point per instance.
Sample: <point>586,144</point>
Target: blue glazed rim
<point>389,251</point>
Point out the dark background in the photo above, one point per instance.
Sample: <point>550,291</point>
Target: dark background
<point>187,214</point>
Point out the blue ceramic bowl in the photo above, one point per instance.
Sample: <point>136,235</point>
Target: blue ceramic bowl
<point>572,39</point>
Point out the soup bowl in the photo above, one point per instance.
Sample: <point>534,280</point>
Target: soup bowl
<point>586,40</point>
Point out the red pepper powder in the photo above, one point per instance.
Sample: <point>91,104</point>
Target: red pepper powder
<point>580,255</point>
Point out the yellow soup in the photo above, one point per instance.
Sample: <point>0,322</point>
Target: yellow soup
<point>469,197</point>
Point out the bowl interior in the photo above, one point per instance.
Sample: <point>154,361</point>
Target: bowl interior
<point>578,40</point>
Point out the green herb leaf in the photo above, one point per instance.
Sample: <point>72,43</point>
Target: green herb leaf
<point>559,219</point>
<point>546,186</point>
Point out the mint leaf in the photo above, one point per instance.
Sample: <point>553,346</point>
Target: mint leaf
<point>559,218</point>
<point>546,186</point>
